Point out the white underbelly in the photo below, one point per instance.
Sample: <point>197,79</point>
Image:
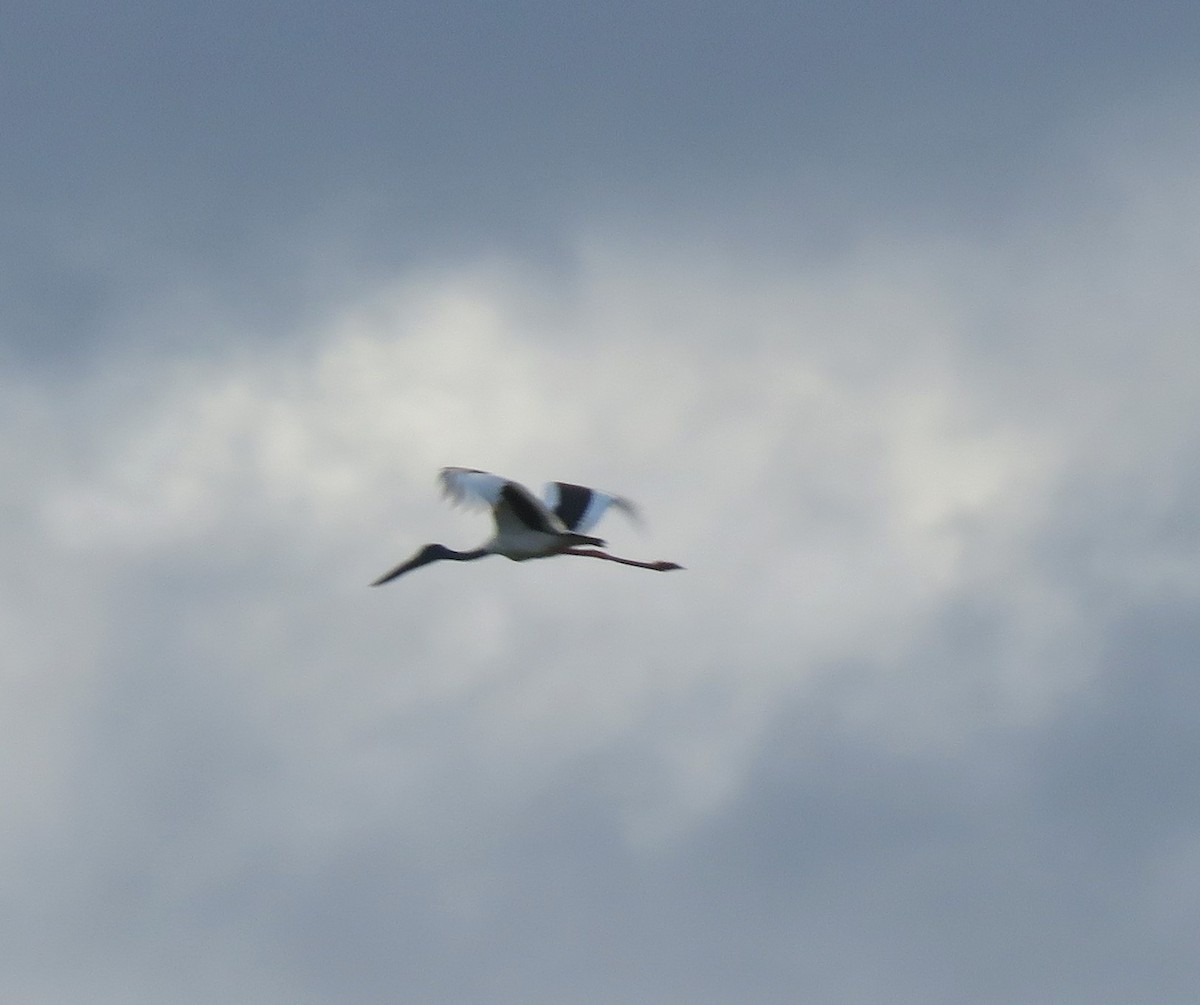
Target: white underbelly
<point>527,544</point>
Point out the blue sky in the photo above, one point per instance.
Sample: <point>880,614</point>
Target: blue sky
<point>167,143</point>
<point>886,315</point>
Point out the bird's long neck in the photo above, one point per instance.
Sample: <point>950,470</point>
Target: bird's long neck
<point>465,556</point>
<point>431,553</point>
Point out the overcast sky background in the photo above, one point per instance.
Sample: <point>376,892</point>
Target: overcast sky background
<point>886,314</point>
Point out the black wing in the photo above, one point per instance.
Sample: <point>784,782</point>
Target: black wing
<point>580,507</point>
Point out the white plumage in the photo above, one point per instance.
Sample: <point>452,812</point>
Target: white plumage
<point>527,527</point>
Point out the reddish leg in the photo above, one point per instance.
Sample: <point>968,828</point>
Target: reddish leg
<point>656,566</point>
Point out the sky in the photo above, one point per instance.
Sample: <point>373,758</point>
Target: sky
<point>886,315</point>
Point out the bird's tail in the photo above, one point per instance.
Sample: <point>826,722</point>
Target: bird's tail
<point>575,539</point>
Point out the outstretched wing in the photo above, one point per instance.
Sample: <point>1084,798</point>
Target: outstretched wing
<point>581,508</point>
<point>513,505</point>
<point>471,487</point>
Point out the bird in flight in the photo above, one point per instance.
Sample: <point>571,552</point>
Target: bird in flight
<point>527,527</point>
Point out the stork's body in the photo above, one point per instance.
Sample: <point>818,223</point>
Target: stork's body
<point>527,527</point>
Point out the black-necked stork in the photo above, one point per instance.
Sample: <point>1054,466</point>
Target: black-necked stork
<point>527,527</point>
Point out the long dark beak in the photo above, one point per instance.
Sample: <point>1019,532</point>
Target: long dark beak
<point>430,553</point>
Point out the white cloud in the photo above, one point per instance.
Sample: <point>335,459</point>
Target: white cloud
<point>826,505</point>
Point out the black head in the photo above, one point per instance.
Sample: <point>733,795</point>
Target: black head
<point>430,553</point>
